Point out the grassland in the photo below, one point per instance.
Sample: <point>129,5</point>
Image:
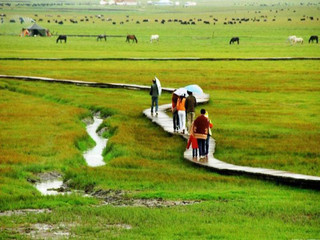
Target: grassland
<point>265,114</point>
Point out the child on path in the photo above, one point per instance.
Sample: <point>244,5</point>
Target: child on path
<point>192,140</point>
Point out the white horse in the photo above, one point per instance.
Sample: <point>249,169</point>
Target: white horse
<point>291,39</point>
<point>154,38</point>
<point>298,40</point>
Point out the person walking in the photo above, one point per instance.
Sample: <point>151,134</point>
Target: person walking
<point>154,93</point>
<point>191,103</point>
<point>193,141</point>
<point>209,135</point>
<point>175,112</point>
<point>182,113</point>
<point>200,130</point>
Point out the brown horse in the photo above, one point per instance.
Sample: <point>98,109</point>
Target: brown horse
<point>131,37</point>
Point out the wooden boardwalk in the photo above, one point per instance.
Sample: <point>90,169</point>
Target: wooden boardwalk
<point>166,123</point>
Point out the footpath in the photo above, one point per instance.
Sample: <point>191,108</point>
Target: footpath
<point>166,123</point>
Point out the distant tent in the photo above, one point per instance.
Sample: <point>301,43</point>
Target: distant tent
<point>36,30</point>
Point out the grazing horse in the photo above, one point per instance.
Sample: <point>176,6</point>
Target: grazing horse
<point>131,37</point>
<point>100,37</point>
<point>298,40</point>
<point>314,38</point>
<point>291,39</point>
<point>154,38</point>
<point>62,37</point>
<point>234,39</point>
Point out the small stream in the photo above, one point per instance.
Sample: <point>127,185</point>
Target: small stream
<point>93,158</point>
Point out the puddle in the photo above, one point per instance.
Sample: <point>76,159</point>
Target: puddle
<point>118,198</point>
<point>93,156</point>
<point>50,183</point>
<point>44,231</point>
<point>24,212</point>
<point>51,187</point>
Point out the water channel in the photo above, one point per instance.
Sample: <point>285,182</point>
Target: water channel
<point>93,158</point>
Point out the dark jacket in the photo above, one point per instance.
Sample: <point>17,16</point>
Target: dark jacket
<point>154,92</point>
<point>201,127</point>
<point>191,103</point>
<point>174,102</point>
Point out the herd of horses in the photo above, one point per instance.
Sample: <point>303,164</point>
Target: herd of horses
<point>155,38</point>
<point>294,39</point>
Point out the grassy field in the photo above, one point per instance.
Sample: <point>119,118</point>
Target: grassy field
<point>265,114</point>
<point>257,39</point>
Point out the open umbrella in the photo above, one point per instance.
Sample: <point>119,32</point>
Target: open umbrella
<point>195,89</point>
<point>181,92</point>
<point>158,85</point>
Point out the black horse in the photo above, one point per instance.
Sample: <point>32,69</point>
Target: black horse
<point>314,38</point>
<point>234,39</point>
<point>62,37</point>
<point>132,37</point>
<point>100,37</point>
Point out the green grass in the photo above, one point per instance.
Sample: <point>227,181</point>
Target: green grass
<point>265,114</point>
<point>258,39</point>
<point>143,159</point>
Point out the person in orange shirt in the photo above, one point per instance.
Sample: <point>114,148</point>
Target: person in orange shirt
<point>182,113</point>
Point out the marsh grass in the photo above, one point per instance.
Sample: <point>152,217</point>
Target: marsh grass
<point>143,160</point>
<point>265,114</point>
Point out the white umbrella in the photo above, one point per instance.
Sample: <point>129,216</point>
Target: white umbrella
<point>181,92</point>
<point>195,89</point>
<point>158,85</point>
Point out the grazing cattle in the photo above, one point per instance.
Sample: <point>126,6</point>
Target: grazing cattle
<point>206,22</point>
<point>314,38</point>
<point>131,37</point>
<point>234,39</point>
<point>154,38</point>
<point>102,36</point>
<point>62,37</point>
